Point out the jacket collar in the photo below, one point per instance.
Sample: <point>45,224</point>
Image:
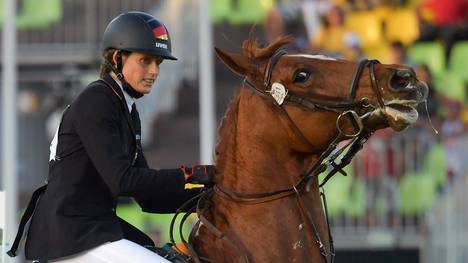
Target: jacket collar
<point>112,84</point>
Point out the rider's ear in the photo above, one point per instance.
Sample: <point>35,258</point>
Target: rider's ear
<point>114,58</point>
<point>236,62</point>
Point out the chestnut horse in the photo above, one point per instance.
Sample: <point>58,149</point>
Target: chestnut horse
<point>282,126</point>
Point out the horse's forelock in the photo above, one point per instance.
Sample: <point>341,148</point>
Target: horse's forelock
<point>253,52</point>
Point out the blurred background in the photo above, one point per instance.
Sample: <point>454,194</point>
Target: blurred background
<point>404,199</point>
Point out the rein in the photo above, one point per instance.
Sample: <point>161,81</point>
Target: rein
<point>326,161</point>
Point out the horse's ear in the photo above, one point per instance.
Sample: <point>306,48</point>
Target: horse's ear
<point>236,62</point>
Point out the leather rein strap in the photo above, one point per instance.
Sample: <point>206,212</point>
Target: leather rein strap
<point>326,159</point>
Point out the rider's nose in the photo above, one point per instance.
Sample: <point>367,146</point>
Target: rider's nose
<point>154,68</point>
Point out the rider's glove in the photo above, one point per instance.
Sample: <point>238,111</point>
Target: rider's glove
<point>199,174</point>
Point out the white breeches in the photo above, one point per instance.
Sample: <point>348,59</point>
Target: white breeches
<point>122,251</point>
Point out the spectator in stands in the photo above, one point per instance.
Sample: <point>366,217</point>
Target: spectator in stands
<point>273,25</point>
<point>445,20</point>
<point>96,157</point>
<point>464,114</point>
<point>452,126</point>
<point>382,167</point>
<point>398,54</point>
<point>312,12</point>
<point>454,143</point>
<point>358,5</point>
<point>330,36</point>
<point>352,49</point>
<point>394,3</point>
<point>286,19</point>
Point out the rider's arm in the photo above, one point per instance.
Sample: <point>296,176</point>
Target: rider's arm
<point>97,122</point>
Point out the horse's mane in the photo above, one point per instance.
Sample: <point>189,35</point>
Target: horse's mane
<point>227,129</point>
<point>227,135</point>
<point>254,52</point>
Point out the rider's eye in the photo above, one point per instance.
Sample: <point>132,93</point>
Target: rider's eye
<point>301,75</point>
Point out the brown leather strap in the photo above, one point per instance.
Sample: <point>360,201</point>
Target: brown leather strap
<point>216,232</point>
<point>375,84</point>
<point>252,199</point>
<point>309,219</point>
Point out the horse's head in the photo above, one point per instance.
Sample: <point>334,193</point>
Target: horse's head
<point>349,95</point>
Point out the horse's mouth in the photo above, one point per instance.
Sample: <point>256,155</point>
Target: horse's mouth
<point>400,115</point>
<point>397,114</point>
<point>400,112</point>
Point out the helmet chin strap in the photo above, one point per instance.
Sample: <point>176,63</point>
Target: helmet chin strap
<point>118,72</point>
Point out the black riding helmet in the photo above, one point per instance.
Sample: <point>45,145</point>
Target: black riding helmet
<point>135,32</point>
<point>140,32</point>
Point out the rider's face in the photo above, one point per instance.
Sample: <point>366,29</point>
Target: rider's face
<point>140,71</point>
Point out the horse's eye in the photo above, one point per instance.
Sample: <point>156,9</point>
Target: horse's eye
<point>301,75</point>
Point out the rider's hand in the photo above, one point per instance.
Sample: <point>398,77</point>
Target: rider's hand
<point>199,174</point>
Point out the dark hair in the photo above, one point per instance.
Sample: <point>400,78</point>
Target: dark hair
<point>398,45</point>
<point>104,68</point>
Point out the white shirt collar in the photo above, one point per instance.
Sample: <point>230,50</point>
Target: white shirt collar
<point>129,99</point>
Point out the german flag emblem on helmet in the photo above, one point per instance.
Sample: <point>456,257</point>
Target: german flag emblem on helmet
<point>160,33</point>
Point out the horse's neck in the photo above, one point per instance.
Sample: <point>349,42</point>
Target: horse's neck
<point>248,162</point>
<point>251,162</point>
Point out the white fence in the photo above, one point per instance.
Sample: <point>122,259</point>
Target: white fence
<point>2,227</point>
<point>393,182</point>
<point>447,223</point>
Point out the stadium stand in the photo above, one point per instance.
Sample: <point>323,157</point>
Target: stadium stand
<point>39,14</point>
<point>434,164</point>
<point>367,25</point>
<point>240,11</point>
<point>401,24</point>
<point>417,192</point>
<point>2,12</point>
<point>451,85</point>
<point>346,195</point>
<point>220,11</point>
<point>457,61</point>
<point>429,53</point>
<point>380,52</point>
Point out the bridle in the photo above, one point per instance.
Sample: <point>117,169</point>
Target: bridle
<point>326,160</point>
<point>312,104</point>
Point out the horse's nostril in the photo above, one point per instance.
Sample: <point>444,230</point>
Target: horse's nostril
<point>401,80</point>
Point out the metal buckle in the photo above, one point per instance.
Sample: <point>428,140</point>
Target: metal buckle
<point>365,102</point>
<point>355,121</point>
